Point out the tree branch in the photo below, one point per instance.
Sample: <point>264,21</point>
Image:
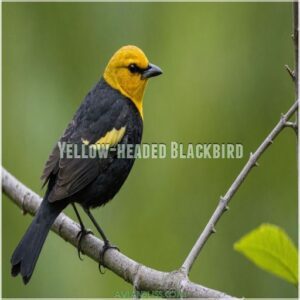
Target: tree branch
<point>296,71</point>
<point>224,201</point>
<point>141,277</point>
<point>296,47</point>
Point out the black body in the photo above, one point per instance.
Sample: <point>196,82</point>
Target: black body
<point>90,182</point>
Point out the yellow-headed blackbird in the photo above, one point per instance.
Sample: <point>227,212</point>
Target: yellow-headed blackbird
<point>110,114</point>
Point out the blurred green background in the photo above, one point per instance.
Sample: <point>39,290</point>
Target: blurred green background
<point>224,81</point>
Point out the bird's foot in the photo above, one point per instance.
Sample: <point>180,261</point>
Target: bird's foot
<point>80,235</point>
<point>105,247</point>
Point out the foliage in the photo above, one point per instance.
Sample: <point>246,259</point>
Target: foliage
<point>271,249</point>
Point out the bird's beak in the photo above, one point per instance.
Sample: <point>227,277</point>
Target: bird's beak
<point>151,71</point>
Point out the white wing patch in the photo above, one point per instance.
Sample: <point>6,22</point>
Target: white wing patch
<point>85,142</point>
<point>110,139</point>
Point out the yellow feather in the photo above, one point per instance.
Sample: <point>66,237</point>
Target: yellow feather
<point>110,139</point>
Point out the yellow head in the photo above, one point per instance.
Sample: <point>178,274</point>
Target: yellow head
<point>128,71</point>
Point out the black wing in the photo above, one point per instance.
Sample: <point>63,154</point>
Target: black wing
<point>102,110</point>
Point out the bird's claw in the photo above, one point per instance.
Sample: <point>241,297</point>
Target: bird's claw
<point>105,247</point>
<point>80,235</point>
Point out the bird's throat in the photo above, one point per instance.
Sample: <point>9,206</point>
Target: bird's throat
<point>133,93</point>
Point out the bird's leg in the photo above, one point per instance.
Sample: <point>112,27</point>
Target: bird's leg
<point>107,244</point>
<point>82,233</point>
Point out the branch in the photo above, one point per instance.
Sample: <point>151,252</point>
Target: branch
<point>141,277</point>
<point>294,73</point>
<point>296,39</point>
<point>291,72</point>
<point>224,201</point>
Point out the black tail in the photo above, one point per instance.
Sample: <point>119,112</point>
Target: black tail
<point>27,252</point>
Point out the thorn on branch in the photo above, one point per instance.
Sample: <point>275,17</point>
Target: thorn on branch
<point>292,125</point>
<point>253,160</point>
<point>291,72</point>
<point>283,118</point>
<point>222,200</point>
<point>213,229</point>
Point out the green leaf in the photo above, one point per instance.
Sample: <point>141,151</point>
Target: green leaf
<point>271,249</point>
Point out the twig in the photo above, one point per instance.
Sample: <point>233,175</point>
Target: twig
<point>158,283</point>
<point>296,71</point>
<point>296,47</point>
<point>224,201</point>
<point>291,72</point>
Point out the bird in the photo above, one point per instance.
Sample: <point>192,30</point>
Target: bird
<point>110,114</point>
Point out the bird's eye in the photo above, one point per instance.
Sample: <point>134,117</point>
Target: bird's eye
<point>133,68</point>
